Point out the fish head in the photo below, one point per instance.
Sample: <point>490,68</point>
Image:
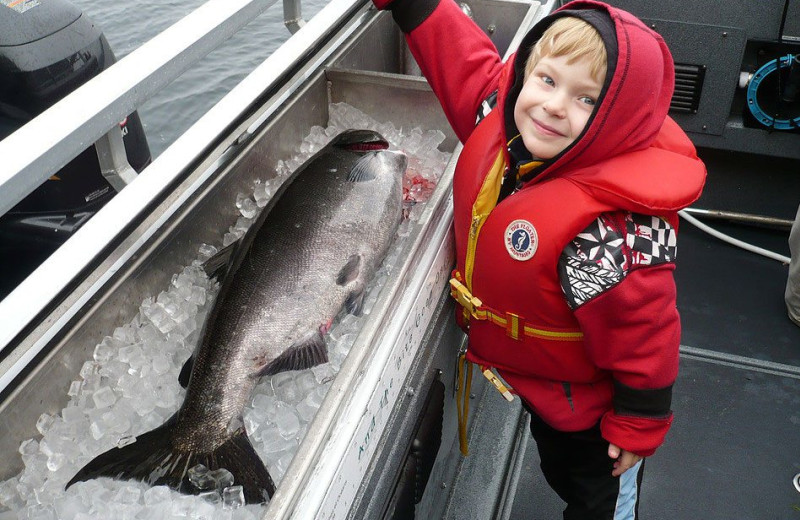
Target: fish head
<point>375,158</point>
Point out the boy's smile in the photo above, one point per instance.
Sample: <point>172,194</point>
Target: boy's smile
<point>554,104</point>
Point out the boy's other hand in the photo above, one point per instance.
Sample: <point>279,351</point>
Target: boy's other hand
<point>624,459</point>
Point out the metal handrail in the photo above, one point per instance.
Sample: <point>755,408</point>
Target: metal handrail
<point>91,111</point>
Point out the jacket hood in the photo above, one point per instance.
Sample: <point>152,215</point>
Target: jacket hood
<point>631,117</point>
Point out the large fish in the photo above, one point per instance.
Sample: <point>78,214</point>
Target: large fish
<point>300,263</point>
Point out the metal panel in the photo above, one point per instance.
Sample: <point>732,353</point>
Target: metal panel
<point>719,49</point>
<point>759,19</point>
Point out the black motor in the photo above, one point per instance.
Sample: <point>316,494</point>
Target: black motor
<point>47,50</point>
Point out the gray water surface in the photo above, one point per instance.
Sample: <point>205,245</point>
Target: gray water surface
<point>129,24</point>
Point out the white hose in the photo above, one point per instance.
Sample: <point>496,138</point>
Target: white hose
<point>736,242</point>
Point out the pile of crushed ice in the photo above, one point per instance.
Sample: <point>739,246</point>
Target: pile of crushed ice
<point>130,386</point>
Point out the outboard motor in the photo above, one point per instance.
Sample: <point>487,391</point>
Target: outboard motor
<point>47,50</point>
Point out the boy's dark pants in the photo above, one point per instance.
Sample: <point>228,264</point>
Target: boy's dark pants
<point>578,468</point>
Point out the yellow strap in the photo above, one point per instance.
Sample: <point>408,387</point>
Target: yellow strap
<point>503,389</point>
<point>473,308</point>
<point>462,401</point>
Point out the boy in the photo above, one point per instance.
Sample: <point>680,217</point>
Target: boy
<point>565,213</point>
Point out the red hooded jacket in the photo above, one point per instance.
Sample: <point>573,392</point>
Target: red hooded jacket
<point>610,355</point>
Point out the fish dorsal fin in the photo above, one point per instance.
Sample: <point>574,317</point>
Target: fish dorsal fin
<point>306,353</point>
<point>218,265</point>
<point>350,270</point>
<point>364,169</point>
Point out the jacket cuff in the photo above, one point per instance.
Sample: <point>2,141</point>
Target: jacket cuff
<point>409,14</point>
<point>650,403</point>
<point>638,435</point>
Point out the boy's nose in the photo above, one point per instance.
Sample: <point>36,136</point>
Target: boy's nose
<point>555,106</point>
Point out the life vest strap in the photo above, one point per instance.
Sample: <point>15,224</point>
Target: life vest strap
<point>514,324</point>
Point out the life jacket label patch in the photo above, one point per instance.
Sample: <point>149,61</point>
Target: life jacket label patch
<point>521,240</point>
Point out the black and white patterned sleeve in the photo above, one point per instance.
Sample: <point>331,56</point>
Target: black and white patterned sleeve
<point>603,254</point>
<point>487,105</point>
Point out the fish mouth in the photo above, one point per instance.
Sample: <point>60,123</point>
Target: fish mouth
<point>372,146</point>
<point>361,141</point>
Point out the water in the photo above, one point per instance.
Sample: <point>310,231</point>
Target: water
<point>129,24</point>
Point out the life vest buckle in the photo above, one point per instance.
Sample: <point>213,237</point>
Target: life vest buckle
<point>464,298</point>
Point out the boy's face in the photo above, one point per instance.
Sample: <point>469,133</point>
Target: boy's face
<point>554,104</point>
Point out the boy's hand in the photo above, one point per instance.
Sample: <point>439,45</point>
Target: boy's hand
<point>624,459</point>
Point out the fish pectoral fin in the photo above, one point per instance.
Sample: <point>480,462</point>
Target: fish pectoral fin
<point>303,354</point>
<point>355,300</point>
<point>364,169</point>
<point>218,265</point>
<point>350,271</point>
<point>186,372</point>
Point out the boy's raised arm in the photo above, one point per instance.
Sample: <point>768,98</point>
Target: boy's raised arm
<point>458,59</point>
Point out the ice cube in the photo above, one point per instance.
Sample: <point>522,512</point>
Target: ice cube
<point>262,194</point>
<point>158,496</point>
<point>125,333</point>
<point>117,421</point>
<point>287,423</point>
<point>222,478</point>
<point>182,506</point>
<point>75,388</point>
<point>200,477</point>
<point>55,461</point>
<point>198,296</point>
<point>233,497</point>
<point>104,397</point>
<point>211,497</point>
<point>89,368</point>
<point>161,364</point>
<point>274,442</point>
<point>41,512</point>
<point>128,495</point>
<point>126,440</point>
<point>285,387</point>
<point>29,447</point>
<point>323,373</point>
<point>8,492</point>
<point>308,408</point>
<point>248,208</point>
<point>98,429</point>
<point>67,506</point>
<point>305,382</point>
<point>206,251</point>
<point>106,349</point>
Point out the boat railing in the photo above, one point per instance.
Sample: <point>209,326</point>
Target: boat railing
<point>91,114</point>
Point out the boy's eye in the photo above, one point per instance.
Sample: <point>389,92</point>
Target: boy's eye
<point>547,80</point>
<point>586,99</point>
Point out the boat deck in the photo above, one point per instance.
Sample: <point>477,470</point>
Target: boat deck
<point>734,447</point>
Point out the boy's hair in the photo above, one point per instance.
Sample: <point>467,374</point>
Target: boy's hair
<point>572,37</point>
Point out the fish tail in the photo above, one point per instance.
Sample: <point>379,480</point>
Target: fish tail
<point>154,459</point>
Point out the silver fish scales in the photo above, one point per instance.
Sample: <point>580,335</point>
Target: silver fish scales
<point>306,257</point>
